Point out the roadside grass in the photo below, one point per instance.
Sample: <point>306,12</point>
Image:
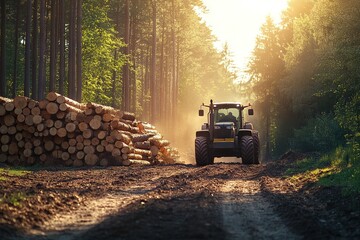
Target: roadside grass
<point>10,172</point>
<point>14,199</point>
<point>339,168</point>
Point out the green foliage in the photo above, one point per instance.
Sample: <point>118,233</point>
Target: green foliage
<point>321,133</point>
<point>318,42</point>
<point>200,64</point>
<point>100,41</point>
<point>336,31</point>
<point>340,168</point>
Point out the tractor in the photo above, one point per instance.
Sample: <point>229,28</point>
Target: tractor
<point>226,134</point>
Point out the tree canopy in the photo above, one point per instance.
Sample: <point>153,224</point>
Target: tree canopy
<point>313,76</point>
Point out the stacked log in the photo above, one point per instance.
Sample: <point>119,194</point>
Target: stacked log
<point>59,130</point>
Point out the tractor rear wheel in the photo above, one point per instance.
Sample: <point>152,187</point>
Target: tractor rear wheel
<point>256,148</point>
<point>202,154</point>
<point>247,150</point>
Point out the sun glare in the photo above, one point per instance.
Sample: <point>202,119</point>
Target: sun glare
<point>238,22</point>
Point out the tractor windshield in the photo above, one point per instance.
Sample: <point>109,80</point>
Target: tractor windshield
<point>227,115</point>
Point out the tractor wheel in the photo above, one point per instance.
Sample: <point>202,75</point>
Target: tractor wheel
<point>256,148</point>
<point>247,150</point>
<point>202,154</point>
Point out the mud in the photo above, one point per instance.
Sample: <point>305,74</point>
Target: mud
<point>221,201</point>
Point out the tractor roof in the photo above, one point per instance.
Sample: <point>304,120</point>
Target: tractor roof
<point>227,105</point>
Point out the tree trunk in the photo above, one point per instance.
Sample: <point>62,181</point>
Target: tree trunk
<point>114,76</point>
<point>161,77</point>
<point>79,52</point>
<point>3,50</point>
<point>267,129</point>
<point>16,48</point>
<point>72,52</point>
<point>126,70</point>
<point>146,88</point>
<point>62,46</point>
<point>53,45</point>
<point>42,48</point>
<point>34,87</point>
<point>153,110</point>
<point>133,51</point>
<point>173,93</point>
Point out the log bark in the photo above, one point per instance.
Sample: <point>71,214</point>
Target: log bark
<point>140,162</point>
<point>141,137</point>
<point>102,109</point>
<point>63,99</point>
<point>5,100</point>
<point>143,145</point>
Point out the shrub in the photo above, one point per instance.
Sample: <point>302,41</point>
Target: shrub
<point>321,133</point>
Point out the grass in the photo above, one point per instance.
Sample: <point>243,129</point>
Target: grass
<point>14,199</point>
<point>12,172</point>
<point>340,168</point>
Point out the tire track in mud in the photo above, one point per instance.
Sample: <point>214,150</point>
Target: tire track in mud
<point>247,214</point>
<point>220,201</point>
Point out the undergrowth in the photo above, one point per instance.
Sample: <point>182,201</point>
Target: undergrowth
<point>340,168</point>
<point>9,172</point>
<point>14,199</point>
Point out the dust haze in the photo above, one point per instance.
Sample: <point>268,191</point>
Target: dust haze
<point>182,134</point>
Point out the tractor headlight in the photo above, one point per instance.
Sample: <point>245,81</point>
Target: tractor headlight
<point>217,127</point>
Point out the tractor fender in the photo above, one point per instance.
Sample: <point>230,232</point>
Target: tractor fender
<point>245,132</point>
<point>203,133</point>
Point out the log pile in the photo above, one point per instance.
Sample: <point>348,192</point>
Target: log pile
<point>59,130</point>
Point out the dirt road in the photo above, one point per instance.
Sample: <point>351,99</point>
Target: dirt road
<point>221,201</point>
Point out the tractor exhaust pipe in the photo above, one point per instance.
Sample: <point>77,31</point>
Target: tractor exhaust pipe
<point>211,116</point>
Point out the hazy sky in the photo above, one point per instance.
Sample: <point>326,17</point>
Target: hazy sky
<point>238,22</point>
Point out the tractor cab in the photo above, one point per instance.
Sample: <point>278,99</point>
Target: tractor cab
<point>226,121</point>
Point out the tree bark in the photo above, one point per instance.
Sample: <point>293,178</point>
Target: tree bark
<point>134,17</point>
<point>53,45</point>
<point>34,84</point>
<point>3,50</point>
<point>16,47</point>
<point>62,46</point>
<point>153,85</point>
<point>126,70</point>
<point>79,52</point>
<point>72,52</point>
<point>27,49</point>
<point>42,48</point>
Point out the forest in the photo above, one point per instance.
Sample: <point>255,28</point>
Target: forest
<point>306,79</point>
<point>157,58</point>
<point>150,57</point>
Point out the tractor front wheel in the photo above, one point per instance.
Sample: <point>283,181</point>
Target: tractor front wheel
<point>202,154</point>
